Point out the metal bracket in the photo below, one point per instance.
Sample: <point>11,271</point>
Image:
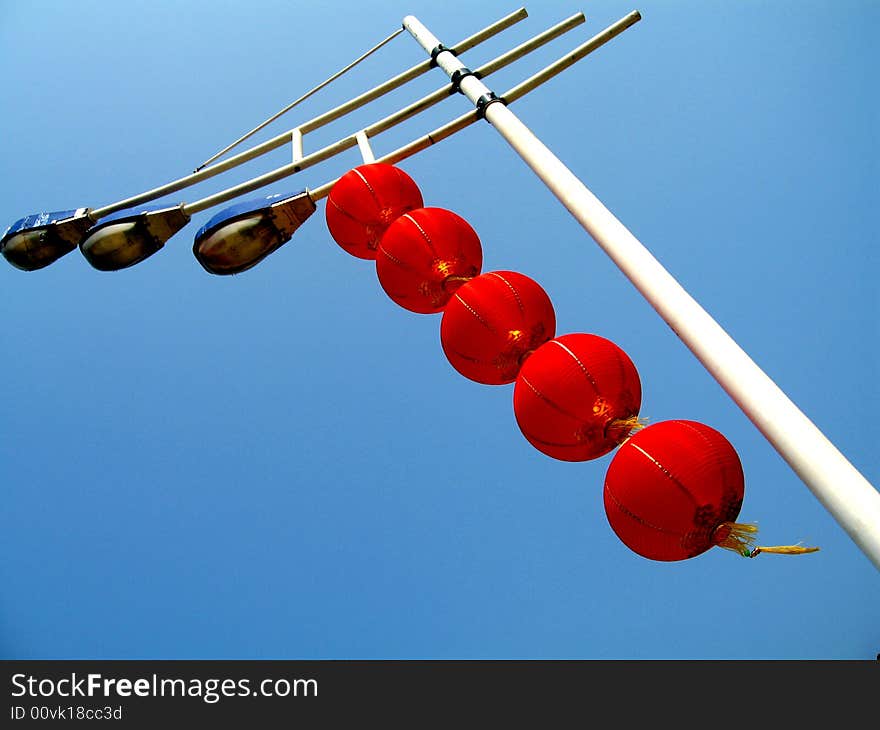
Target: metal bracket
<point>485,100</point>
<point>296,143</point>
<point>458,75</point>
<point>437,50</point>
<point>363,143</point>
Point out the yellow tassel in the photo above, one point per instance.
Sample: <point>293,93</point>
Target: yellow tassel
<point>736,536</point>
<point>626,426</point>
<point>457,281</point>
<point>784,550</point>
<point>740,538</point>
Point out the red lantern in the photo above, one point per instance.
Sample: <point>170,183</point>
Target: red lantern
<point>364,202</point>
<point>424,256</point>
<point>577,397</point>
<point>673,490</point>
<point>493,322</point>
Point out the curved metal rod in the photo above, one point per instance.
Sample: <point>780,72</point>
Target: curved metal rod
<point>326,118</point>
<point>399,116</point>
<point>310,92</point>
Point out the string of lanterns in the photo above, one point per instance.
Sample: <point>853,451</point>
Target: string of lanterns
<point>672,490</point>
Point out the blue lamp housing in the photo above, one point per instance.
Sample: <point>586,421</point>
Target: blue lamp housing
<point>127,237</point>
<point>241,236</point>
<point>38,240</point>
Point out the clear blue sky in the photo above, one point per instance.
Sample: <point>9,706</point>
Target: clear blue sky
<point>282,464</point>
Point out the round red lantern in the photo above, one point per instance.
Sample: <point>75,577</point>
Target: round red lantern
<point>673,490</point>
<point>493,322</point>
<point>365,201</point>
<point>424,256</point>
<point>577,397</point>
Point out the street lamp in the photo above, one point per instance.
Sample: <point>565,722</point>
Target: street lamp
<point>242,235</point>
<point>128,237</point>
<point>38,240</point>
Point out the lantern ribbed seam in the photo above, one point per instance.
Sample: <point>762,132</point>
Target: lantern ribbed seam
<point>394,259</point>
<point>583,367</point>
<point>668,473</point>
<point>512,289</point>
<point>636,518</point>
<point>476,315</point>
<point>551,403</point>
<point>469,358</point>
<point>557,444</point>
<point>369,187</point>
<point>422,231</point>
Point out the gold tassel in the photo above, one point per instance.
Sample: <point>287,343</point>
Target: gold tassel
<point>458,281</point>
<point>627,426</point>
<point>740,538</point>
<point>784,550</point>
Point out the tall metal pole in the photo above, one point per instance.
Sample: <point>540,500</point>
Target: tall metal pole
<point>835,482</point>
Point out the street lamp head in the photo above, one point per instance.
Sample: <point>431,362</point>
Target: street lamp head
<point>126,238</point>
<point>38,240</point>
<point>239,237</point>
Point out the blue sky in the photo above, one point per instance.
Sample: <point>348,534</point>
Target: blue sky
<point>282,464</point>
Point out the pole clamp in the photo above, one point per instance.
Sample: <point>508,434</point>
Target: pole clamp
<point>458,75</point>
<point>436,51</point>
<point>485,100</point>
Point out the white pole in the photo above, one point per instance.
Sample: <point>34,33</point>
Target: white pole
<point>836,483</point>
